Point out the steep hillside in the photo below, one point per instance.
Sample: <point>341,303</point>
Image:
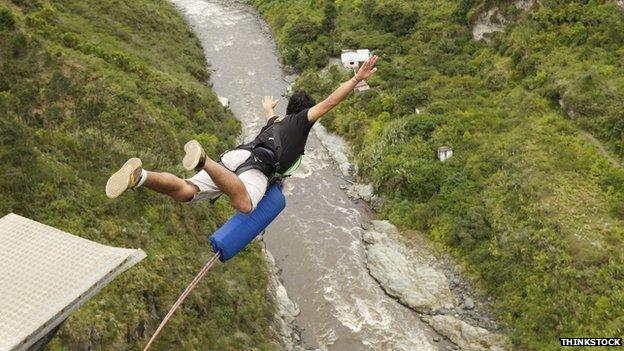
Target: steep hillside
<point>83,86</point>
<point>530,201</point>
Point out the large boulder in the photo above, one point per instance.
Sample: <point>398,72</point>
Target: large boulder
<point>466,336</point>
<point>496,18</point>
<point>404,275</point>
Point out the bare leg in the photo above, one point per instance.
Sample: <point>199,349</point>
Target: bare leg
<point>230,184</point>
<point>169,184</point>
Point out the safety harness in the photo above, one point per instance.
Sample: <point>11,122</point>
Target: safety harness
<point>265,157</point>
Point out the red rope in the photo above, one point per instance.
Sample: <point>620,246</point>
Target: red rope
<point>183,297</point>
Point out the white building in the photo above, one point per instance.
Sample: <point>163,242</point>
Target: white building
<point>444,153</point>
<point>352,59</point>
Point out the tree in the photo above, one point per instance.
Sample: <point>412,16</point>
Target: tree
<point>396,16</point>
<point>6,19</point>
<point>329,22</point>
<point>302,31</point>
<point>411,98</point>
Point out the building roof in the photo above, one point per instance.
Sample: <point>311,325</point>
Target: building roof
<point>360,55</point>
<point>46,275</point>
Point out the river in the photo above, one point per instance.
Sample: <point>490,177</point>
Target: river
<point>316,241</point>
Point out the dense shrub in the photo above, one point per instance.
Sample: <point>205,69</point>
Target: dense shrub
<point>397,16</point>
<point>301,31</point>
<point>412,98</point>
<point>329,21</point>
<point>6,19</point>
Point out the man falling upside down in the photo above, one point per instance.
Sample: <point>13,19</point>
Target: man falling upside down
<point>244,173</point>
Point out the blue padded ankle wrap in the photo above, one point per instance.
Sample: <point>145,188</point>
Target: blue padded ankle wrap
<point>241,229</point>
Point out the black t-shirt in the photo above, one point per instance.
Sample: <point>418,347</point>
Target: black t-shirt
<point>293,131</point>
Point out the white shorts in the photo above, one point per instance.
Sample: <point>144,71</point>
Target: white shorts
<point>255,181</point>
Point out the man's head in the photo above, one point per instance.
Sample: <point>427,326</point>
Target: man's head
<point>298,102</point>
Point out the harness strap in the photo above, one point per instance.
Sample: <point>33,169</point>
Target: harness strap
<point>272,171</point>
<point>277,142</point>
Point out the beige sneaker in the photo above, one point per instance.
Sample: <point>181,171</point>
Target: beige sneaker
<point>195,156</point>
<point>127,177</point>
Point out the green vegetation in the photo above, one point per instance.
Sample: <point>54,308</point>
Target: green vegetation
<point>530,202</point>
<point>83,86</point>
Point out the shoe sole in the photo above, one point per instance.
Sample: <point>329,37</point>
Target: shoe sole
<point>119,182</point>
<point>193,152</point>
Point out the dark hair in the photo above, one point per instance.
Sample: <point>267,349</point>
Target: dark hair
<point>298,102</point>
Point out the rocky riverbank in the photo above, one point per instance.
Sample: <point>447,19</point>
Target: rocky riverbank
<point>286,309</point>
<point>409,271</point>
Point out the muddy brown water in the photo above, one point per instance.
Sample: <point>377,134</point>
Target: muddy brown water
<point>316,241</point>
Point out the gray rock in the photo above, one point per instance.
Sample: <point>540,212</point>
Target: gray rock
<point>376,203</point>
<point>385,227</point>
<point>469,303</point>
<point>455,280</point>
<point>466,336</point>
<point>414,282</point>
<point>443,311</point>
<point>373,237</point>
<point>493,20</point>
<point>436,339</point>
<point>286,309</point>
<point>365,191</point>
<point>361,191</point>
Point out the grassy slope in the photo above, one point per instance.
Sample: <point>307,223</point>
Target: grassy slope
<point>527,202</point>
<point>83,86</point>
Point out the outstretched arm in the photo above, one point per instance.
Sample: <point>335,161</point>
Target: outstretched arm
<point>268,105</point>
<point>367,69</point>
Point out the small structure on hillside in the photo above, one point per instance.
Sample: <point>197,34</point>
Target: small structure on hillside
<point>444,153</point>
<point>46,275</point>
<point>351,59</point>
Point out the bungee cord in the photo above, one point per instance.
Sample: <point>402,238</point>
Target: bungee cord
<point>183,297</point>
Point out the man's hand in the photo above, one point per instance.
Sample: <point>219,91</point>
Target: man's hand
<point>320,109</point>
<point>367,69</point>
<point>268,104</point>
